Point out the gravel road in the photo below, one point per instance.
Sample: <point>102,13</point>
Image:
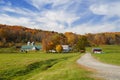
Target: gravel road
<point>105,71</point>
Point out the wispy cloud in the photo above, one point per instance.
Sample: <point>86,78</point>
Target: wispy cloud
<point>109,9</point>
<point>41,3</point>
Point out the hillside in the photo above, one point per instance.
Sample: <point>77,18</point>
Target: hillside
<point>10,35</point>
<point>19,34</point>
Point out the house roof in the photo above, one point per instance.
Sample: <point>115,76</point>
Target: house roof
<point>30,47</point>
<point>97,49</point>
<point>65,46</point>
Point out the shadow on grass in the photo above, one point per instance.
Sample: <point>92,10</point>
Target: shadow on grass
<point>42,66</point>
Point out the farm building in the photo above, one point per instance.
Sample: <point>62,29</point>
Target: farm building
<point>97,50</point>
<point>31,47</point>
<point>66,48</point>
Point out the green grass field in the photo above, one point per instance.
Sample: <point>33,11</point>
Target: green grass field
<point>41,66</point>
<point>111,54</point>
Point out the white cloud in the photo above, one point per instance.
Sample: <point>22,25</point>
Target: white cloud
<point>60,16</point>
<point>54,20</point>
<point>6,19</point>
<point>108,9</point>
<point>100,10</point>
<point>87,28</point>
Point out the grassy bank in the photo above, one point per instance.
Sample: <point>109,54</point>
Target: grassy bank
<point>41,66</point>
<point>111,54</point>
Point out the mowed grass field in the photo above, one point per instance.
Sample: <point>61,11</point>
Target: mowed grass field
<point>42,66</point>
<point>111,54</point>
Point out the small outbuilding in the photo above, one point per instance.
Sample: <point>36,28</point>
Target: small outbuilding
<point>97,50</point>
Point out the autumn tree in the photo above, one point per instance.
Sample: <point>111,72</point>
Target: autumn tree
<point>90,38</point>
<point>110,38</point>
<point>59,48</point>
<point>117,39</point>
<point>46,42</point>
<point>81,43</point>
<point>99,39</point>
<point>71,38</point>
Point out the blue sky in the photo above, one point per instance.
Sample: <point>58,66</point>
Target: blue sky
<point>78,16</point>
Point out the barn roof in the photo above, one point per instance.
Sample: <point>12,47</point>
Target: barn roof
<point>30,47</point>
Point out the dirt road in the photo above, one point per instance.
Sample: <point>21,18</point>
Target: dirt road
<point>105,71</point>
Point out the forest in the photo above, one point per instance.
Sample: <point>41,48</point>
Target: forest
<point>14,35</point>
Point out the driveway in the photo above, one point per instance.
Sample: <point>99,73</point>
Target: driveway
<point>105,71</point>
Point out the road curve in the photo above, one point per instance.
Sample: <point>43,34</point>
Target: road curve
<point>106,71</point>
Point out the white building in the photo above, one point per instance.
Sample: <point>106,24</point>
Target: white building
<point>66,48</point>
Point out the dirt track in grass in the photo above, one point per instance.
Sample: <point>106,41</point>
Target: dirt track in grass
<point>105,71</point>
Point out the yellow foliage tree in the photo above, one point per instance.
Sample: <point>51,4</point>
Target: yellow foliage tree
<point>59,48</point>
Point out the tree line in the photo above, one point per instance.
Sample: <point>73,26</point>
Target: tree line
<point>107,38</point>
<point>11,35</point>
